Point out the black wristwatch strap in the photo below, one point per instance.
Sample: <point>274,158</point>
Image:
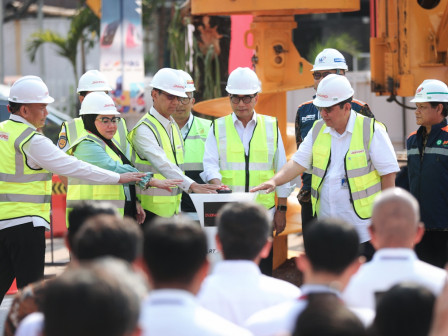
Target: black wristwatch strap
<point>282,208</point>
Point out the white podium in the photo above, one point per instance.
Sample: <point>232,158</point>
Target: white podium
<point>207,206</point>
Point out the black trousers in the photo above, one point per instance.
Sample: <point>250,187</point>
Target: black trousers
<point>22,256</point>
<point>433,248</point>
<point>306,213</point>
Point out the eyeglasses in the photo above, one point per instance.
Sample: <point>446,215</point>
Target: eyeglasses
<point>319,75</point>
<point>245,99</point>
<point>106,120</point>
<point>326,109</point>
<point>170,97</point>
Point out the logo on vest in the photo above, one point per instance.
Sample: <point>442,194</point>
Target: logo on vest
<point>308,118</point>
<point>4,136</point>
<point>360,151</point>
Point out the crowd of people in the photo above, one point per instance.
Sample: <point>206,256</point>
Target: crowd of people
<point>373,252</point>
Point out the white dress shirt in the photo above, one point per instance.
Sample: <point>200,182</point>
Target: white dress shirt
<point>184,130</point>
<point>335,196</point>
<point>389,267</point>
<point>281,319</point>
<point>174,312</point>
<point>42,153</point>
<point>211,156</point>
<point>146,145</point>
<point>236,289</point>
<point>32,325</point>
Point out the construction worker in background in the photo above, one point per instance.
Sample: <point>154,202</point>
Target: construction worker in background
<point>99,147</point>
<point>244,149</point>
<point>327,62</point>
<point>159,147</point>
<point>194,131</point>
<point>351,158</point>
<point>28,161</point>
<point>91,81</point>
<point>427,150</point>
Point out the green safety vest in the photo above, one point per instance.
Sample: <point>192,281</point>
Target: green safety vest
<point>159,201</point>
<point>195,144</point>
<point>241,172</point>
<point>75,129</point>
<point>364,182</point>
<point>24,191</point>
<point>83,190</point>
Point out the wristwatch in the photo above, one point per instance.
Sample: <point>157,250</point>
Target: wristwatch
<point>282,208</point>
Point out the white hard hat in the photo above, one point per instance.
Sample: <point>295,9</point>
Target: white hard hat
<point>92,81</point>
<point>98,103</point>
<point>30,90</point>
<point>169,80</point>
<point>431,90</point>
<point>333,89</point>
<point>189,81</point>
<point>243,81</point>
<point>329,59</point>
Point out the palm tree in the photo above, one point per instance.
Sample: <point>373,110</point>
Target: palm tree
<point>84,28</point>
<point>343,42</point>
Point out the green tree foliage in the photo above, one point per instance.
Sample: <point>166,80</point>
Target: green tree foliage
<point>343,43</point>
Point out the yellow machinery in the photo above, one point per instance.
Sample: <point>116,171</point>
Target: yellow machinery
<point>279,67</point>
<point>409,44</point>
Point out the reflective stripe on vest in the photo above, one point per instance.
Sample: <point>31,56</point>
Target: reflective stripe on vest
<point>83,190</point>
<point>159,201</point>
<point>363,179</point>
<point>24,191</point>
<point>195,144</point>
<point>241,172</point>
<point>75,129</point>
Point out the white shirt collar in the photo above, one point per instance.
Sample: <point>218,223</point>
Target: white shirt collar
<point>187,125</point>
<point>348,128</point>
<point>16,117</point>
<point>164,121</point>
<point>170,296</point>
<point>236,267</point>
<point>314,288</point>
<point>394,254</point>
<point>235,118</point>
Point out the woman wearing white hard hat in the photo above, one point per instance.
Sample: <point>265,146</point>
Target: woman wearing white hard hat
<point>427,151</point>
<point>98,147</point>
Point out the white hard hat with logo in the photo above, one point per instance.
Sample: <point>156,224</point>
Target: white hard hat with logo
<point>30,90</point>
<point>92,81</point>
<point>329,59</point>
<point>243,81</point>
<point>333,89</point>
<point>431,90</point>
<point>189,81</point>
<point>169,80</point>
<point>98,103</point>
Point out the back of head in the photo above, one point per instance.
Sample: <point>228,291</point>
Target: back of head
<point>405,309</point>
<point>82,211</point>
<point>174,250</point>
<point>326,315</point>
<point>331,245</point>
<point>395,218</point>
<point>239,224</point>
<point>106,235</point>
<point>93,300</point>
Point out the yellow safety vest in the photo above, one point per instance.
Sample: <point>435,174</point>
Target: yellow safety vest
<point>159,201</point>
<point>83,190</point>
<point>195,144</point>
<point>364,182</point>
<point>241,172</point>
<point>23,191</point>
<point>75,129</point>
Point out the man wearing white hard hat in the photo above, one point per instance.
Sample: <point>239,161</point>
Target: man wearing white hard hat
<point>91,81</point>
<point>245,148</point>
<point>27,163</point>
<point>328,61</point>
<point>159,147</point>
<point>194,132</point>
<point>350,157</point>
<point>427,151</point>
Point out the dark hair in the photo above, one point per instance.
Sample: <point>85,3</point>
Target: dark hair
<point>14,107</point>
<point>174,249</point>
<point>326,315</point>
<point>83,93</point>
<point>331,245</point>
<point>405,309</point>
<point>342,103</point>
<point>82,211</point>
<point>106,235</point>
<point>92,302</point>
<point>444,106</point>
<point>243,229</point>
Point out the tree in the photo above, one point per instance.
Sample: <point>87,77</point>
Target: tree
<point>84,29</point>
<point>343,42</point>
